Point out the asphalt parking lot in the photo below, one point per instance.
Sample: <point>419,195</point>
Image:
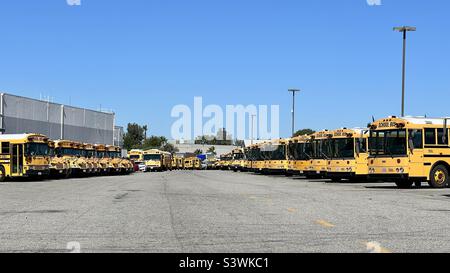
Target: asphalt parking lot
<point>216,211</point>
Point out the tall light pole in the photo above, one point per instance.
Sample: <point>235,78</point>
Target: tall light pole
<point>404,30</point>
<point>293,108</point>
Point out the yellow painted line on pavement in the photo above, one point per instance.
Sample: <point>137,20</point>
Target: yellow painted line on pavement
<point>325,223</point>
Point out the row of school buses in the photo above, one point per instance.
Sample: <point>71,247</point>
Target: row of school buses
<point>407,151</point>
<point>35,155</point>
<point>156,160</point>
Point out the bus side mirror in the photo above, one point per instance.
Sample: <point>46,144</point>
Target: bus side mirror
<point>411,145</point>
<point>358,147</point>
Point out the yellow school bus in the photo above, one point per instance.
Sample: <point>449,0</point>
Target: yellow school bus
<point>247,159</point>
<point>81,161</point>
<point>102,158</point>
<point>258,163</point>
<point>126,166</point>
<point>225,161</point>
<point>59,166</point>
<point>136,155</point>
<point>156,160</point>
<point>320,154</point>
<point>299,155</point>
<point>410,150</point>
<point>68,154</point>
<point>180,162</point>
<point>89,155</point>
<point>115,159</point>
<point>192,163</point>
<point>189,163</point>
<point>238,160</point>
<point>197,163</point>
<point>276,160</point>
<point>24,155</point>
<point>348,154</point>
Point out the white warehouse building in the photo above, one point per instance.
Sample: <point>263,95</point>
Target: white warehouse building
<point>57,121</point>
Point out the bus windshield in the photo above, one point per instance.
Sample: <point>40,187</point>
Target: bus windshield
<point>152,157</point>
<point>134,157</point>
<point>321,149</point>
<point>68,151</point>
<point>279,152</point>
<point>342,148</point>
<point>388,143</point>
<point>37,149</point>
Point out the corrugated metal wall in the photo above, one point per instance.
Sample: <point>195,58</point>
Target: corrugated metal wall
<point>25,115</point>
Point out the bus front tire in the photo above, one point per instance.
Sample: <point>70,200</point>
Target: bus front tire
<point>439,177</point>
<point>2,175</point>
<point>404,184</point>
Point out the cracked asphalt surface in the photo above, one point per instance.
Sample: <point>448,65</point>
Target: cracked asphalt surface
<point>216,211</point>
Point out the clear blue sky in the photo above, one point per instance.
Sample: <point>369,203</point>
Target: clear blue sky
<point>141,57</point>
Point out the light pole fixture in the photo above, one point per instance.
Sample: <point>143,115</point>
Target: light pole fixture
<point>293,108</point>
<point>404,30</point>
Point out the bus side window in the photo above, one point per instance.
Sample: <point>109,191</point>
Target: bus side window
<point>5,148</point>
<point>430,136</point>
<point>362,142</point>
<point>441,137</point>
<point>416,136</point>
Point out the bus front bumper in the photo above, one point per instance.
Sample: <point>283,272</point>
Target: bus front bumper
<point>32,172</point>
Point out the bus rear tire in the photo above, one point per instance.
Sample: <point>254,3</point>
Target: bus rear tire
<point>2,175</point>
<point>404,184</point>
<point>439,177</point>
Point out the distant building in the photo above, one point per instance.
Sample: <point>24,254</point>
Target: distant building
<point>57,121</point>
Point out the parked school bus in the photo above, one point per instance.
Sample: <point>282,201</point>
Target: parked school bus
<point>189,163</point>
<point>126,166</point>
<point>89,155</point>
<point>197,163</point>
<point>180,162</point>
<point>102,158</point>
<point>117,164</point>
<point>238,160</point>
<point>136,155</point>
<point>410,150</point>
<point>276,160</point>
<point>248,159</point>
<point>257,158</point>
<point>79,162</point>
<point>67,155</point>
<point>59,167</point>
<point>174,163</point>
<point>317,167</point>
<point>225,161</point>
<point>156,160</point>
<point>24,155</point>
<point>299,155</point>
<point>348,154</point>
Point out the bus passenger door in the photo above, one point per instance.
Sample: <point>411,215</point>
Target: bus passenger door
<point>17,159</point>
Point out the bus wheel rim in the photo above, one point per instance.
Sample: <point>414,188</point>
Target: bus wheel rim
<point>439,177</point>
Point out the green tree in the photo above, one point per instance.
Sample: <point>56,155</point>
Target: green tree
<point>170,148</point>
<point>154,142</point>
<point>133,137</point>
<point>304,132</point>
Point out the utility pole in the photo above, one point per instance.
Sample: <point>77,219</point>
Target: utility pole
<point>404,30</point>
<point>293,108</point>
